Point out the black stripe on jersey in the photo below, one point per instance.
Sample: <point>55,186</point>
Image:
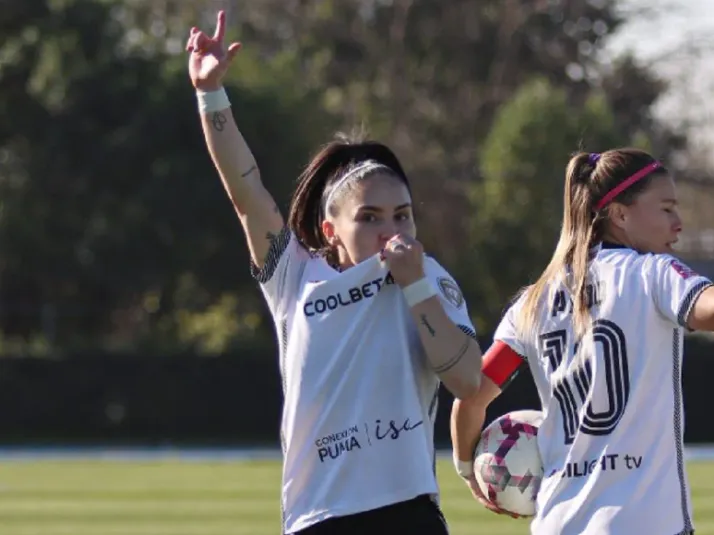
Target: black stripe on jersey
<point>689,301</point>
<point>677,388</point>
<point>469,331</point>
<point>283,351</point>
<point>278,244</point>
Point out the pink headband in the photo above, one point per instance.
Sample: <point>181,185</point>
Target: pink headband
<point>622,186</point>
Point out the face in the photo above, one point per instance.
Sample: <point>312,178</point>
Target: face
<point>370,214</point>
<point>651,224</point>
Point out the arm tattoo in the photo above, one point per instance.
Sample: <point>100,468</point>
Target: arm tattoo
<point>426,324</point>
<point>219,121</point>
<point>249,171</point>
<point>455,359</point>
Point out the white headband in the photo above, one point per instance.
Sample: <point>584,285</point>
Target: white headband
<point>358,171</point>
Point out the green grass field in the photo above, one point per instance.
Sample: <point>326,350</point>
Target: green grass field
<point>221,498</point>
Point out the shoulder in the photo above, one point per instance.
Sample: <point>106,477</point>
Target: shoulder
<point>445,283</point>
<point>515,302</point>
<point>284,244</point>
<point>667,264</point>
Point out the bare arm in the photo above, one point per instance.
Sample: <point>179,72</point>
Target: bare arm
<point>701,317</point>
<point>454,355</point>
<point>467,419</point>
<point>239,173</point>
<point>208,63</point>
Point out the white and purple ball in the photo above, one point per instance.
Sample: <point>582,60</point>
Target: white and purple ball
<point>507,463</point>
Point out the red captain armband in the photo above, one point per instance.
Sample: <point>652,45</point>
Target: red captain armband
<point>501,364</point>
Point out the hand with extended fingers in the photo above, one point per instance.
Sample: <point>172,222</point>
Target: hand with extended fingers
<point>209,58</point>
<point>481,498</point>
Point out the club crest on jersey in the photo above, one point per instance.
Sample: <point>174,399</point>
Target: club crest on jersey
<point>451,292</point>
<point>683,271</point>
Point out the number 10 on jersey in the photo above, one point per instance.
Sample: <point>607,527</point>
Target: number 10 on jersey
<point>587,406</point>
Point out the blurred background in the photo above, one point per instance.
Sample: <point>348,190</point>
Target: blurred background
<point>139,388</point>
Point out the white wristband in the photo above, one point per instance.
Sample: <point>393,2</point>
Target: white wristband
<point>464,468</point>
<point>418,291</point>
<point>210,101</point>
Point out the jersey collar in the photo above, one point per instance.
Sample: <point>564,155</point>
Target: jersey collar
<point>612,245</point>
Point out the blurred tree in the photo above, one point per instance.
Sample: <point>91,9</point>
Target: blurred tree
<point>519,204</point>
<point>110,228</point>
<point>109,198</point>
<point>427,77</point>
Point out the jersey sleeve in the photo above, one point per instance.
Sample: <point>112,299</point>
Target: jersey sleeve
<point>507,355</point>
<point>282,272</point>
<point>451,297</point>
<point>675,288</point>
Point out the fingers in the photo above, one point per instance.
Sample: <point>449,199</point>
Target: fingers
<point>232,51</point>
<point>190,41</point>
<point>197,41</point>
<point>494,508</point>
<point>398,247</point>
<point>202,41</point>
<point>487,503</point>
<point>220,27</point>
<point>397,243</point>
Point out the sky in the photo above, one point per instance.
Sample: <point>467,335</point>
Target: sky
<point>678,42</point>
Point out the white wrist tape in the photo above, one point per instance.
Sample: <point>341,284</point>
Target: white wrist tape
<point>211,101</point>
<point>464,468</point>
<point>419,291</point>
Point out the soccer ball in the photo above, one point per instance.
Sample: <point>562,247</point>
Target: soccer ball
<point>507,464</point>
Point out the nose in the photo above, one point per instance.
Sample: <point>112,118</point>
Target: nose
<point>386,233</point>
<point>388,228</point>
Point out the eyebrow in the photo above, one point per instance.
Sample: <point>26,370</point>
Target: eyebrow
<point>368,208</point>
<point>670,201</point>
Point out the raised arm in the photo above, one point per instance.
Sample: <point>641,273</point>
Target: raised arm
<point>258,213</point>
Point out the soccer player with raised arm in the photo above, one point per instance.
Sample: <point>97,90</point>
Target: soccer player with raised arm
<point>601,331</point>
<point>368,326</point>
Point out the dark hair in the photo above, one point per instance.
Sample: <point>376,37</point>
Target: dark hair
<point>325,168</point>
<point>588,179</point>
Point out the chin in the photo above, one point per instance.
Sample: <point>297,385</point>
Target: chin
<point>361,258</point>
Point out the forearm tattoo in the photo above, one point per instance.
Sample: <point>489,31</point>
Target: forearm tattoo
<point>453,361</point>
<point>218,120</point>
<point>250,171</point>
<point>427,325</point>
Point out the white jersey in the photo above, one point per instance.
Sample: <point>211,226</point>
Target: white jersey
<point>360,397</point>
<point>611,439</point>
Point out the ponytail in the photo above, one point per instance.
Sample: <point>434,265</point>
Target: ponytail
<point>571,259</point>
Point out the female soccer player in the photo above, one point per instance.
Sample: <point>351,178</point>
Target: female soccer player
<point>368,326</point>
<point>601,331</point>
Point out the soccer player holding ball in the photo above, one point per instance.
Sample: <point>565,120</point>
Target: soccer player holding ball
<point>368,326</point>
<point>601,331</point>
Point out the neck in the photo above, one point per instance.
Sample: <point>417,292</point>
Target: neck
<point>343,262</point>
<point>616,238</point>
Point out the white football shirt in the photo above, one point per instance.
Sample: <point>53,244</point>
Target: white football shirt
<point>360,397</point>
<point>611,439</point>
